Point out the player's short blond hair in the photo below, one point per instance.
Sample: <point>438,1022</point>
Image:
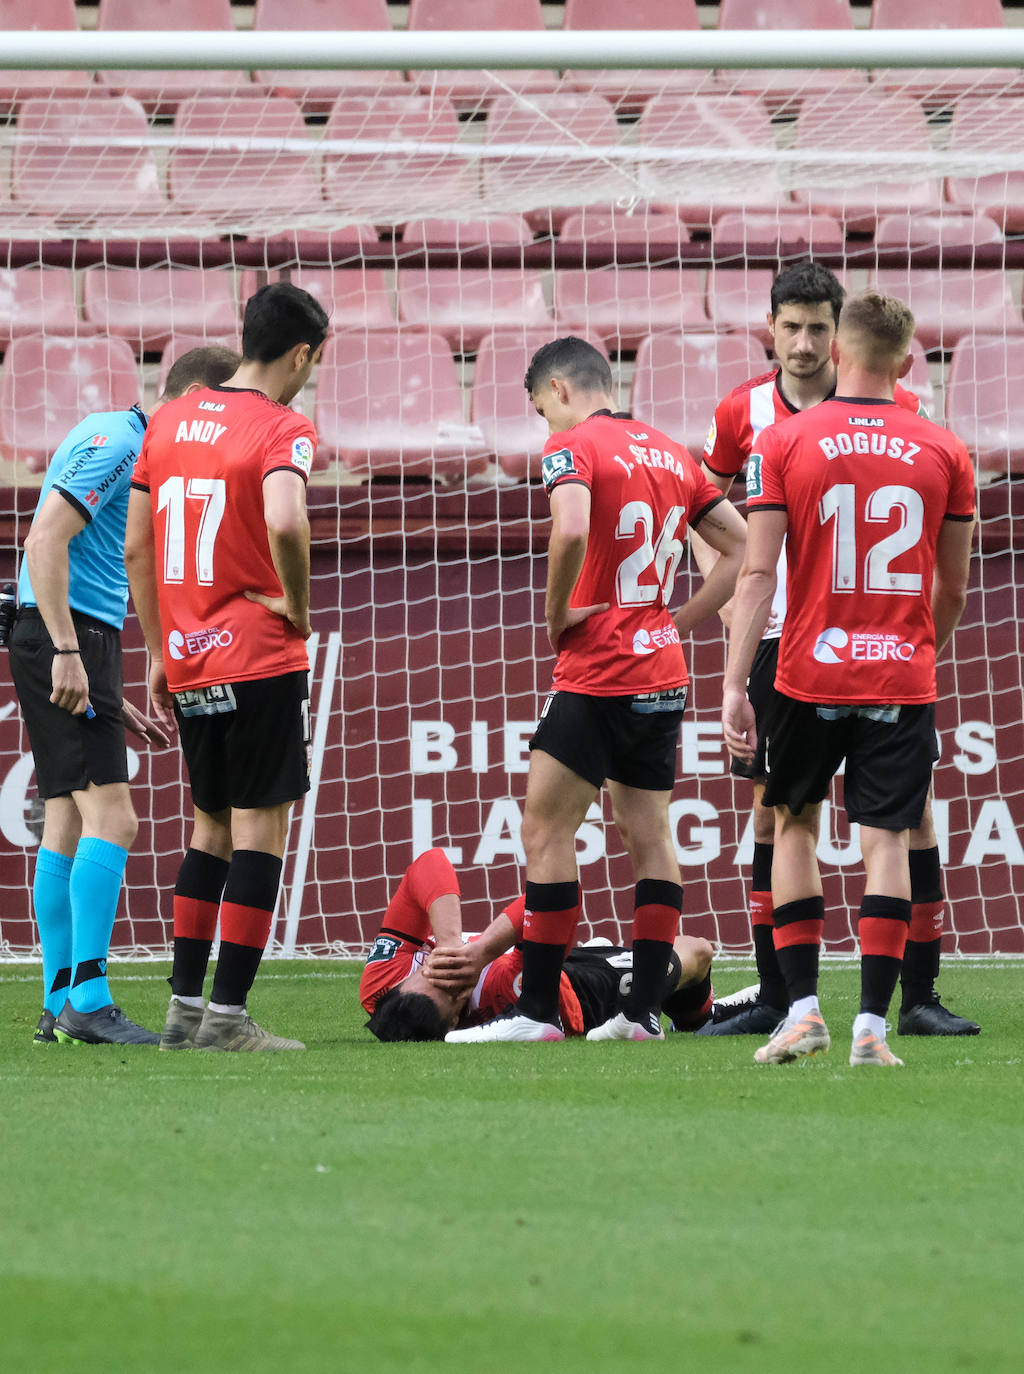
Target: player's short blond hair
<point>879,327</point>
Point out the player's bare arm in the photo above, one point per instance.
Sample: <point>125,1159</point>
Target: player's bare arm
<point>140,564</point>
<point>949,586</point>
<point>149,731</point>
<point>703,554</point>
<point>725,533</point>
<point>46,549</point>
<point>752,607</point>
<point>570,530</point>
<point>455,968</point>
<point>284,509</point>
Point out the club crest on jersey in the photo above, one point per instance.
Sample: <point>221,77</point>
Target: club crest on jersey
<point>302,454</point>
<point>754,475</point>
<point>712,439</point>
<point>99,441</point>
<point>93,498</point>
<point>558,464</point>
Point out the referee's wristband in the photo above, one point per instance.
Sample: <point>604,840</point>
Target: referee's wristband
<point>67,651</point>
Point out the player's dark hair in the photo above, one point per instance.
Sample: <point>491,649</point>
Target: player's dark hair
<point>807,283</point>
<point>209,365</point>
<point>406,1016</point>
<point>574,359</point>
<point>277,317</point>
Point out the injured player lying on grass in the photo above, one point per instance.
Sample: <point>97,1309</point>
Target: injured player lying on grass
<point>424,976</point>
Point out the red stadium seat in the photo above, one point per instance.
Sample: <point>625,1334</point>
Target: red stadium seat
<point>791,230</point>
<point>918,379</point>
<point>360,184</point>
<point>949,304</point>
<point>499,404</point>
<point>354,298</point>
<point>549,125</point>
<point>779,88</point>
<point>629,89</point>
<point>623,304</point>
<point>464,304</point>
<point>658,230</point>
<point>37,300</point>
<point>741,299</point>
<point>16,86</point>
<point>887,126</point>
<point>147,308</point>
<point>389,402</point>
<point>162,91</point>
<point>935,89</point>
<point>47,384</point>
<point>717,125</point>
<point>52,178</point>
<point>948,228</point>
<point>989,124</point>
<point>985,402</point>
<point>225,181</point>
<point>184,343</point>
<point>316,91</point>
<point>680,378</point>
<point>472,90</point>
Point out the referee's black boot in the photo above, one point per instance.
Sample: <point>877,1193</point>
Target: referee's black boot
<point>106,1026</point>
<point>759,1019</point>
<point>932,1018</point>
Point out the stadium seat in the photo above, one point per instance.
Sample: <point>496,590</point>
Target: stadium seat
<point>316,91</point>
<point>918,379</point>
<point>779,88</point>
<point>473,90</point>
<point>25,15</point>
<point>629,89</point>
<point>680,378</point>
<point>544,181</point>
<point>700,190</point>
<point>466,303</point>
<point>219,182</point>
<point>985,402</point>
<point>161,92</point>
<point>949,228</point>
<point>47,384</point>
<point>938,90</point>
<point>389,403</point>
<point>657,231</point>
<point>499,404</point>
<point>354,297</point>
<point>740,299</point>
<point>408,183</point>
<point>990,125</point>
<point>326,247</point>
<point>791,230</point>
<point>37,300</point>
<point>623,304</point>
<point>951,303</point>
<point>184,343</point>
<point>885,126</point>
<point>148,307</point>
<point>84,182</point>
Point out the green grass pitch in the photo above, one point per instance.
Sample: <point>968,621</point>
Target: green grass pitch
<point>524,1208</point>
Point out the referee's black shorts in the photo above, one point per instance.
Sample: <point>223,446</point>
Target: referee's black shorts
<point>246,744</point>
<point>632,740</point>
<point>763,697</point>
<point>888,763</point>
<point>70,752</point>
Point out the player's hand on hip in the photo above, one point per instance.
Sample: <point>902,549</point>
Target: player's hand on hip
<point>569,619</point>
<point>278,605</point>
<point>739,727</point>
<point>70,683</point>
<point>153,732</point>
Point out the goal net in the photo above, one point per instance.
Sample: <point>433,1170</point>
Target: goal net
<point>452,221</point>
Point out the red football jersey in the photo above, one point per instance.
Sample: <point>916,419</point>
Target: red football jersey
<point>203,463</point>
<point>866,486</point>
<point>645,491</point>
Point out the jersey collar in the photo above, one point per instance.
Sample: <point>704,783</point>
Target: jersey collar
<point>785,399</point>
<point>612,414</point>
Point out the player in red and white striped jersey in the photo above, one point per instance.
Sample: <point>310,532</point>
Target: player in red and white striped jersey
<point>805,303</point>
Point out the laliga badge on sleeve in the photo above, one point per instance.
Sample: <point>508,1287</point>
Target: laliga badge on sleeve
<point>302,454</point>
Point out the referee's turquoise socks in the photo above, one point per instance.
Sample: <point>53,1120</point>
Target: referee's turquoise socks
<point>51,900</point>
<point>96,877</point>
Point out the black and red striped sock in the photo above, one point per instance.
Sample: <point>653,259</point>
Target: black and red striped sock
<point>246,911</point>
<point>552,913</point>
<point>924,939</point>
<point>882,931</point>
<point>656,911</point>
<point>798,930</point>
<point>762,928</point>
<point>197,895</point>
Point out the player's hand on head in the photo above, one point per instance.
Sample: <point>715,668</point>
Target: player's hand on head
<point>278,605</point>
<point>453,967</point>
<point>70,683</point>
<point>739,727</point>
<point>153,732</point>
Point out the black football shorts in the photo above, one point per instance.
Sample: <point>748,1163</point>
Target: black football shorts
<point>632,740</point>
<point>762,696</point>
